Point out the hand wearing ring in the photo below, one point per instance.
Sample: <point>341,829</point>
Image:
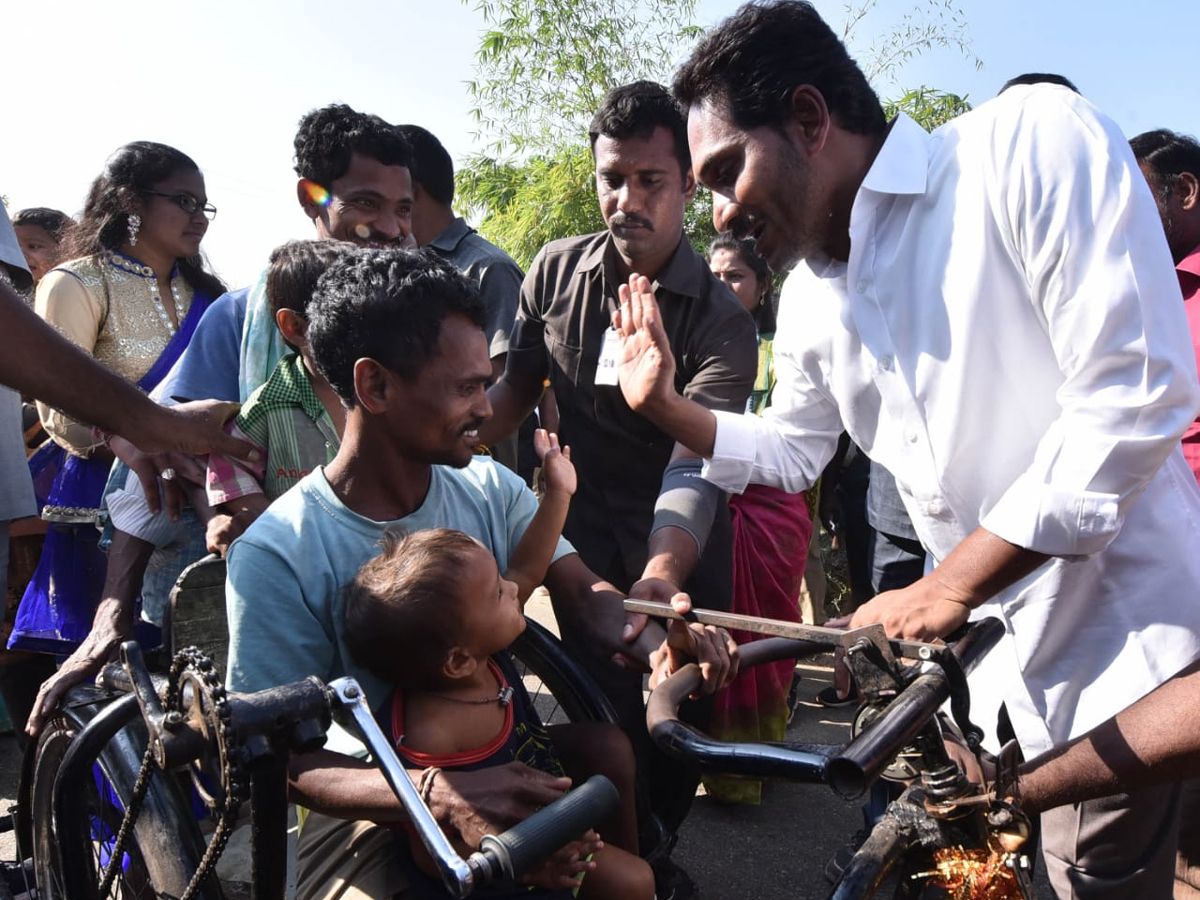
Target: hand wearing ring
<point>168,474</point>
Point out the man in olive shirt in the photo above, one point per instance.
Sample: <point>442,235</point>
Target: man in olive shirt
<point>644,182</point>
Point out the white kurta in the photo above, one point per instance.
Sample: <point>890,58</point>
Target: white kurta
<point>1007,339</point>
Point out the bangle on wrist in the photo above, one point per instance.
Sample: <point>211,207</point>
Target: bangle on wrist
<point>425,783</point>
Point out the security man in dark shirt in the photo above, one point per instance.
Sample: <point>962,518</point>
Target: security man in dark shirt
<point>642,517</point>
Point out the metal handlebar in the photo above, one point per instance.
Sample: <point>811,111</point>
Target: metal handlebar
<point>861,761</point>
<point>850,769</point>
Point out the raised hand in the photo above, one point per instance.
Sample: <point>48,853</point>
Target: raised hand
<point>557,473</point>
<point>646,369</point>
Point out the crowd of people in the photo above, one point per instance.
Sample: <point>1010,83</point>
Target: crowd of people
<point>987,316</point>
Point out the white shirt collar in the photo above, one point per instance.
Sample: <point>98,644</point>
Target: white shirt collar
<point>902,164</point>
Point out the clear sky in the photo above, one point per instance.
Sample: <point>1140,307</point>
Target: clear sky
<point>226,81</point>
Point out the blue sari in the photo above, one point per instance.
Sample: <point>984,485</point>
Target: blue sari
<point>60,601</point>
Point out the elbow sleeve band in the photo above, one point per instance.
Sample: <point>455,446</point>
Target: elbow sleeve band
<point>687,501</point>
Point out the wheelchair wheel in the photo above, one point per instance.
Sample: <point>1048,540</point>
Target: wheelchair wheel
<point>78,804</point>
<point>560,688</point>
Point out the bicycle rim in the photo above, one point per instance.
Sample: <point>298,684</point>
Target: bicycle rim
<point>559,687</point>
<point>164,846</point>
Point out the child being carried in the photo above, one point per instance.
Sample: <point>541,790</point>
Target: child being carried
<point>433,616</point>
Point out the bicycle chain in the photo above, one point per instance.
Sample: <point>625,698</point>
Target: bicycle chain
<point>234,784</point>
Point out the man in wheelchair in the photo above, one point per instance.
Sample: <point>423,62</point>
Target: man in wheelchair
<point>399,338</point>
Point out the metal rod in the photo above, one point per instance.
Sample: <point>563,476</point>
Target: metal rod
<point>268,829</point>
<point>756,760</point>
<point>888,841</point>
<point>353,713</point>
<point>830,637</point>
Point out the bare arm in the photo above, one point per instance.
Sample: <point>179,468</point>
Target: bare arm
<point>232,519</point>
<point>672,553</point>
<point>112,624</point>
<point>533,555</point>
<point>39,362</point>
<point>594,607</point>
<point>547,410</point>
<point>470,804</point>
<point>1154,741</point>
<point>932,607</point>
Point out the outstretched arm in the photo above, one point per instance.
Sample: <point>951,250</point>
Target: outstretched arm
<point>975,571</point>
<point>112,624</point>
<point>535,552</point>
<point>39,362</point>
<point>1154,741</point>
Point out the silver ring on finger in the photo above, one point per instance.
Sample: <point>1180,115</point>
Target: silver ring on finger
<point>168,474</point>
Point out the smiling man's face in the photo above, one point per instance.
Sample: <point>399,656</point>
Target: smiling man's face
<point>762,185</point>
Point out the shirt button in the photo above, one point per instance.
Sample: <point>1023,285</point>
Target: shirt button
<point>862,287</point>
<point>885,363</point>
<point>935,508</point>
<point>912,437</point>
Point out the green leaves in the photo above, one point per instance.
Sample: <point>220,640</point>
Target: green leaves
<point>541,70</point>
<point>929,107</point>
<point>543,66</point>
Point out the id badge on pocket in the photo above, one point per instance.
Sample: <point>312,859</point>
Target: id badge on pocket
<point>610,358</point>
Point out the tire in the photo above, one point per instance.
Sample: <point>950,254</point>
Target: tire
<point>561,690</point>
<point>70,849</point>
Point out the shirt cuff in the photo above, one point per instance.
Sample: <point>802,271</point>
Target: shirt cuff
<point>1054,521</point>
<point>734,451</point>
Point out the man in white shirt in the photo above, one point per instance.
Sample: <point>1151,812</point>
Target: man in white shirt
<point>991,313</point>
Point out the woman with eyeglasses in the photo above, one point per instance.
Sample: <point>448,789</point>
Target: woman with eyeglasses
<point>131,295</point>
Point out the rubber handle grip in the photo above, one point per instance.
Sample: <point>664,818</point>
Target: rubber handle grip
<point>530,843</point>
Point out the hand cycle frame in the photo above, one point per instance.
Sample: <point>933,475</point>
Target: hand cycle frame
<point>270,725</point>
<point>904,685</point>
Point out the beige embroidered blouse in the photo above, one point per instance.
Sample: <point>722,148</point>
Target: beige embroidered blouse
<point>109,312</point>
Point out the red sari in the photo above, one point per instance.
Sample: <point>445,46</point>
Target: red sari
<point>771,531</point>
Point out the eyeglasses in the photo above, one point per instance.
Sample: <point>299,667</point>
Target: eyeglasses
<point>187,203</point>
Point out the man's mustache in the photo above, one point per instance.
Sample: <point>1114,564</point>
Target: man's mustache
<point>624,221</point>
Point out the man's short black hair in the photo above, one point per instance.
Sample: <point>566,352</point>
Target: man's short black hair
<point>635,110</point>
<point>1040,78</point>
<point>1168,155</point>
<point>752,62</point>
<point>431,167</point>
<point>329,136</point>
<point>387,305</point>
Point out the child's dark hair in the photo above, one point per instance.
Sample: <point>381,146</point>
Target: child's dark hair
<point>294,270</point>
<point>401,618</point>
